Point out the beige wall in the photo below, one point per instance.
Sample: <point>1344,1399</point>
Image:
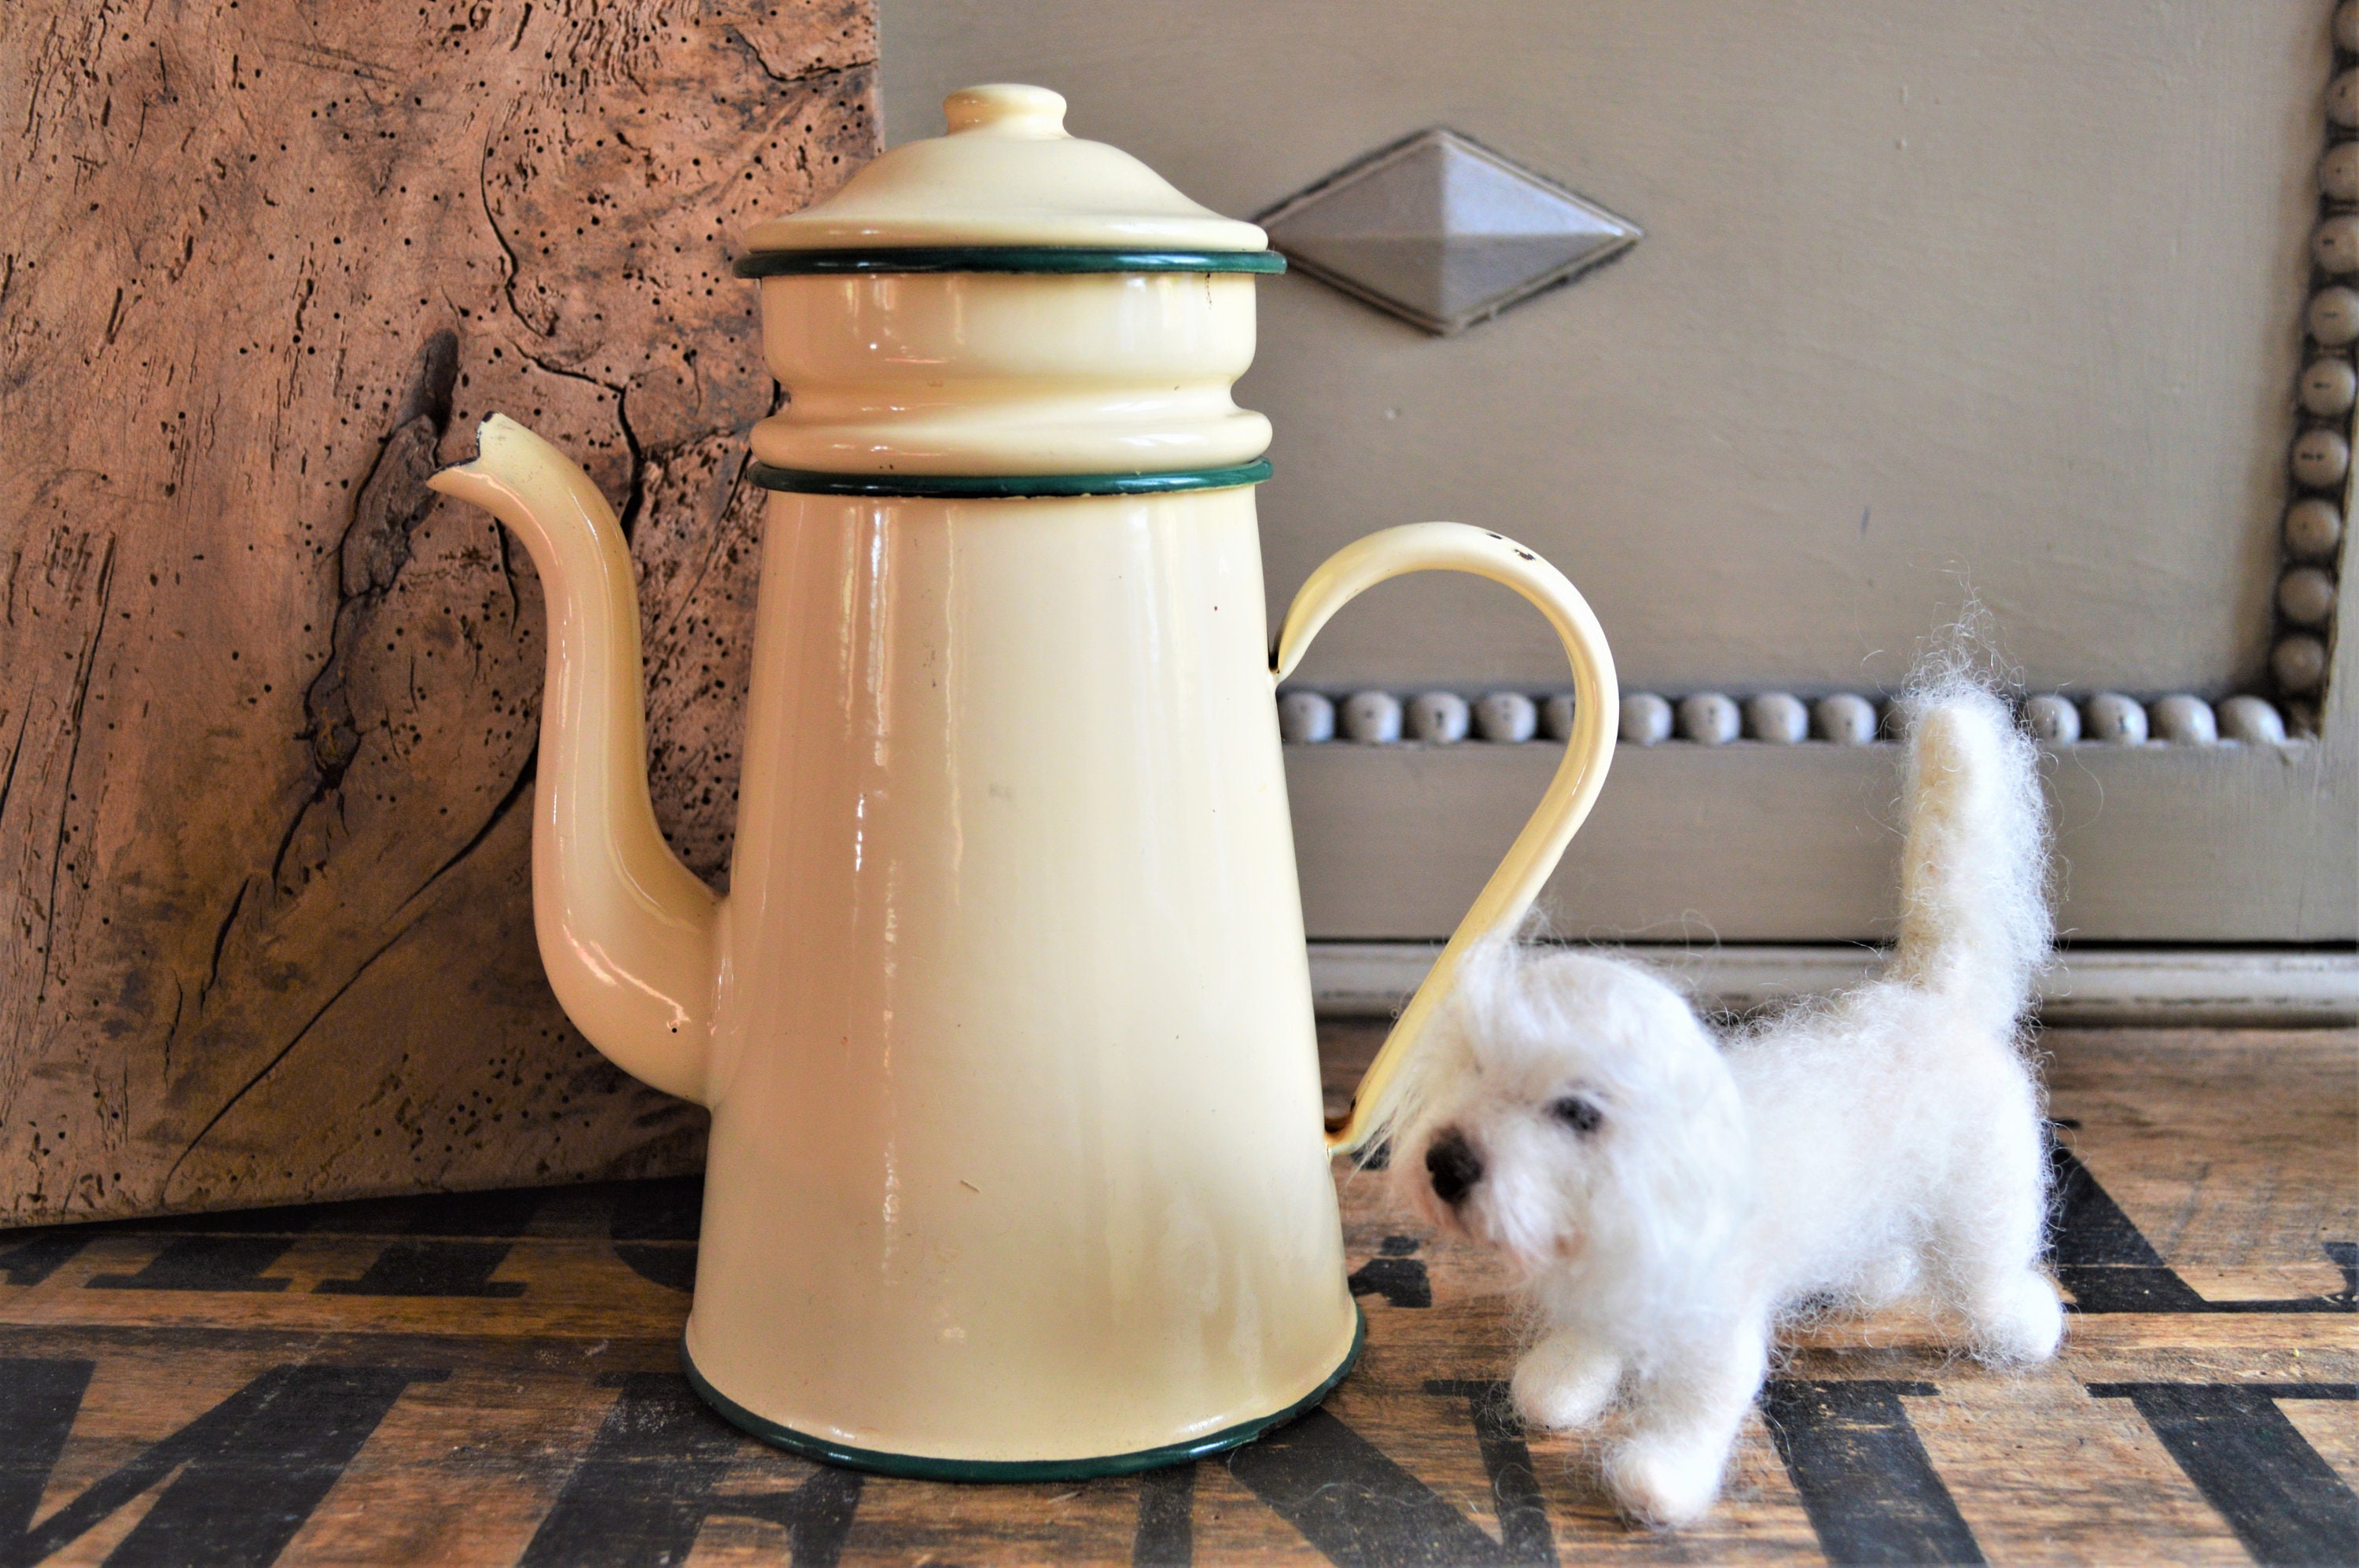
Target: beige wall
<point>2002,293</point>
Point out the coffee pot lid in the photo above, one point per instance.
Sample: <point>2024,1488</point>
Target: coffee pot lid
<point>1008,176</point>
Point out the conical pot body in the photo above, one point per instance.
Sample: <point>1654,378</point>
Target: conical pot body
<point>1017,1149</point>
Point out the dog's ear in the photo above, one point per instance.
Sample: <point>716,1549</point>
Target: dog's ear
<point>1446,1057</point>
<point>1485,989</point>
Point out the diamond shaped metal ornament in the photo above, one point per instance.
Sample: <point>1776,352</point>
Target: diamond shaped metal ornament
<point>1442,231</point>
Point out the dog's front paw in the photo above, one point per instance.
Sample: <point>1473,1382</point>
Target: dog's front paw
<point>1564,1384</point>
<point>1665,1481</point>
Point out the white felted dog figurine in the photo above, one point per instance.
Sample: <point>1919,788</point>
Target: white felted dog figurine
<point>1670,1197</point>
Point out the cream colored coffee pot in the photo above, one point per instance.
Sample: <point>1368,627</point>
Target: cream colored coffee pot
<point>1016,1167</point>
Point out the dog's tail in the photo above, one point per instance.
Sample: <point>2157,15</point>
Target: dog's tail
<point>1974,926</point>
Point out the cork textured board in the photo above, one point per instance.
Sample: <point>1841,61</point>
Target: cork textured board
<point>267,706</point>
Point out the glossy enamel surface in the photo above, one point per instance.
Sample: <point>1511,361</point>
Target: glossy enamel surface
<point>1017,1165</point>
<point>1009,374</point>
<point>1016,1147</point>
<point>1005,1025</point>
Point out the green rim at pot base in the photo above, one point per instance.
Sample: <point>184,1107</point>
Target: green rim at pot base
<point>990,486</point>
<point>918,1467</point>
<point>1002,258</point>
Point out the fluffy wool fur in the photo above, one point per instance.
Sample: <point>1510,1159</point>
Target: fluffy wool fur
<point>1670,1197</point>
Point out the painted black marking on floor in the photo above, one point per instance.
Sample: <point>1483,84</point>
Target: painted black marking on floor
<point>1872,1493</point>
<point>646,1486</point>
<point>2285,1503</point>
<point>1354,1504</point>
<point>2106,1262</point>
<point>430,1269</point>
<point>816,1516</point>
<point>1166,1518</point>
<point>1524,1530</point>
<point>673,1267</point>
<point>243,1476</point>
<point>649,1222</point>
<point>1401,1282</point>
<point>1394,1274</point>
<point>2101,1255</point>
<point>2345,1255</point>
<point>30,1262</point>
<point>205,1263</point>
<point>38,1399</point>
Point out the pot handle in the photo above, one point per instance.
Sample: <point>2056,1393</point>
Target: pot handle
<point>1455,547</point>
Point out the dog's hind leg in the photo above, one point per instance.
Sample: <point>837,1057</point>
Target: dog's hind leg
<point>1982,1251</point>
<point>1667,1470</point>
<point>2011,1310</point>
<point>1565,1381</point>
<point>2017,1318</point>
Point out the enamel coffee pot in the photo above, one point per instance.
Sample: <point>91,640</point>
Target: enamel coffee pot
<point>1017,1167</point>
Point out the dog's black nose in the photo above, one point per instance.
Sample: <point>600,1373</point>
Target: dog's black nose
<point>1454,1166</point>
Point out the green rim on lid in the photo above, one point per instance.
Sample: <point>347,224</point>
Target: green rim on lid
<point>919,1467</point>
<point>1003,259</point>
<point>992,486</point>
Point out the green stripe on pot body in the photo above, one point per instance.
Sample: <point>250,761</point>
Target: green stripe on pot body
<point>1002,258</point>
<point>919,1467</point>
<point>994,486</point>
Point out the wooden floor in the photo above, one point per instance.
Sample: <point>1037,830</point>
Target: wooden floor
<point>493,1379</point>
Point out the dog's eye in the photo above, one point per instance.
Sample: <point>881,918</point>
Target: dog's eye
<point>1580,1115</point>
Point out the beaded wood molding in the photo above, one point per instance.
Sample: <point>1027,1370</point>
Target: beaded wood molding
<point>1777,718</point>
<point>2315,517</point>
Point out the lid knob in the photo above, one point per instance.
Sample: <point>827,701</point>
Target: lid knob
<point>1008,176</point>
<point>1008,109</point>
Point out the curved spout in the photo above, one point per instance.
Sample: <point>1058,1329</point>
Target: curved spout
<point>629,936</point>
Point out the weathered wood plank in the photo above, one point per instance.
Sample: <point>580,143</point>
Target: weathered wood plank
<point>268,707</point>
<point>550,1425</point>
